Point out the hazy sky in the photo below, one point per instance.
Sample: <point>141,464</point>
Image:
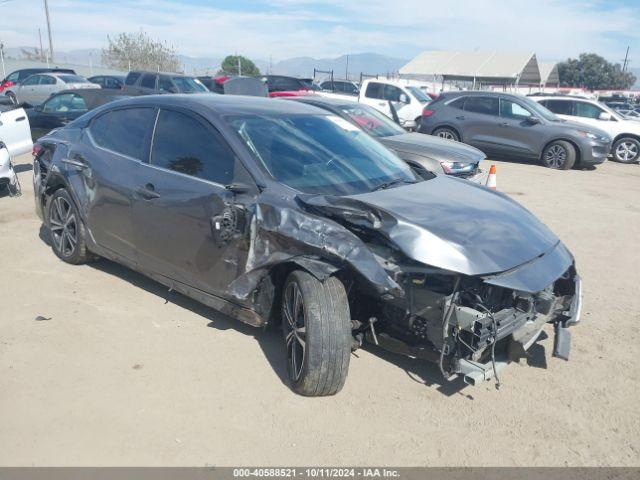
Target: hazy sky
<point>554,29</point>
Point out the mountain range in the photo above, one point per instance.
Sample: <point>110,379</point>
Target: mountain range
<point>354,64</point>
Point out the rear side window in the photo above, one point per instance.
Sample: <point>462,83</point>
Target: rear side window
<point>148,81</point>
<point>458,103</point>
<point>561,107</point>
<point>131,78</point>
<point>183,144</point>
<point>375,90</point>
<point>484,105</point>
<point>124,131</point>
<point>34,80</point>
<point>47,80</point>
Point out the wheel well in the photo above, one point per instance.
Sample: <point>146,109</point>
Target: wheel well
<point>626,135</point>
<point>570,142</point>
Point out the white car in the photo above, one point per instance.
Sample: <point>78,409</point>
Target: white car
<point>624,131</point>
<point>35,89</point>
<point>15,139</point>
<point>408,100</point>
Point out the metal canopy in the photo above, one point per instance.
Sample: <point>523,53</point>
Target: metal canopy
<point>485,67</point>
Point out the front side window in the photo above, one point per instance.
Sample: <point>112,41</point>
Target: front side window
<point>68,102</point>
<point>131,78</point>
<point>372,121</point>
<point>375,90</point>
<point>588,110</point>
<point>183,144</point>
<point>392,93</point>
<point>483,105</point>
<point>513,110</point>
<point>148,81</point>
<point>320,154</point>
<point>47,80</point>
<point>166,85</point>
<point>124,131</point>
<point>350,88</point>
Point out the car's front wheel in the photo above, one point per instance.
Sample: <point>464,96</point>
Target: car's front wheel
<point>316,325</point>
<point>626,150</point>
<point>446,133</point>
<point>66,229</point>
<point>559,155</point>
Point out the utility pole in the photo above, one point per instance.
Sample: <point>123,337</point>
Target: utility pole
<point>42,56</point>
<point>346,70</point>
<point>46,11</point>
<point>4,73</point>
<point>239,67</point>
<point>626,61</point>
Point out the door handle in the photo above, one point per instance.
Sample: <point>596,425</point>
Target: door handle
<point>75,163</point>
<point>148,192</point>
<point>460,117</point>
<point>21,119</point>
<point>503,124</point>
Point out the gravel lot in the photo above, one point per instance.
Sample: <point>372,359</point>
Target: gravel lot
<point>100,366</point>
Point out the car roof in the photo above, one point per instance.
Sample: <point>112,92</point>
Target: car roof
<point>481,93</point>
<point>333,102</point>
<point>226,104</point>
<point>170,74</point>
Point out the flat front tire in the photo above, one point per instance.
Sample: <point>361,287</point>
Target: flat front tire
<point>316,326</point>
<point>66,229</point>
<point>559,155</point>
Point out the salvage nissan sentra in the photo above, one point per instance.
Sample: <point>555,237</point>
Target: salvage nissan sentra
<point>280,213</point>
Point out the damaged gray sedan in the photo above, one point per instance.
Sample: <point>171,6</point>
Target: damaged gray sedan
<point>281,213</point>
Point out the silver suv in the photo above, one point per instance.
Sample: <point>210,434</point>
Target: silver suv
<point>516,126</point>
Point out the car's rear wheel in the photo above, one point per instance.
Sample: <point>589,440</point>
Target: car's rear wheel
<point>626,150</point>
<point>66,229</point>
<point>559,155</point>
<point>446,133</point>
<point>316,325</point>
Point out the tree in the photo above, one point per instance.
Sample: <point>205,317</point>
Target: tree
<point>593,72</point>
<point>247,67</point>
<point>138,51</point>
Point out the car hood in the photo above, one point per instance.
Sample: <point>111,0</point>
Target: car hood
<point>433,147</point>
<point>573,125</point>
<point>448,223</point>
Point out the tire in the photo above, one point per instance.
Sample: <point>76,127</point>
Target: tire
<point>66,229</point>
<point>626,150</point>
<point>559,155</point>
<point>319,349</point>
<point>446,133</point>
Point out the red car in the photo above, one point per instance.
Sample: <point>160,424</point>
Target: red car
<point>282,86</point>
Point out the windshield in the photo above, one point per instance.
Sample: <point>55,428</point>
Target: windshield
<point>372,121</point>
<point>189,85</point>
<point>72,79</point>
<point>321,154</point>
<point>541,110</point>
<point>419,94</point>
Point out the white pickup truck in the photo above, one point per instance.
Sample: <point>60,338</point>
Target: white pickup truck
<point>408,100</point>
<point>15,139</point>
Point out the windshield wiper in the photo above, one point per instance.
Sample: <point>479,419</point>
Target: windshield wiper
<point>385,185</point>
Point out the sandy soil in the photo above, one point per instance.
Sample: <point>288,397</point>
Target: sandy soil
<point>98,368</point>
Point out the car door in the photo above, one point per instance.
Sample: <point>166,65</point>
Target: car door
<point>479,122</point>
<point>520,136</point>
<point>56,112</point>
<point>106,159</point>
<point>27,91</point>
<point>589,114</point>
<point>15,132</point>
<point>183,214</point>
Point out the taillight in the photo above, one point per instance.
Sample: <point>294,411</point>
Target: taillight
<point>37,150</point>
<point>427,112</point>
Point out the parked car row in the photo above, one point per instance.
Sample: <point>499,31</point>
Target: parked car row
<point>290,212</point>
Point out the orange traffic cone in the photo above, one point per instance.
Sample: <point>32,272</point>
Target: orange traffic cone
<point>491,179</point>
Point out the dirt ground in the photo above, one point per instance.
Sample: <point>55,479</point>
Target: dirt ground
<point>101,366</point>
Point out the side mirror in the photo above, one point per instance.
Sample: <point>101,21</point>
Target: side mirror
<point>533,120</point>
<point>403,98</point>
<point>604,116</point>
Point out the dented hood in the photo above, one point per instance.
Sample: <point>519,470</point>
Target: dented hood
<point>450,224</point>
